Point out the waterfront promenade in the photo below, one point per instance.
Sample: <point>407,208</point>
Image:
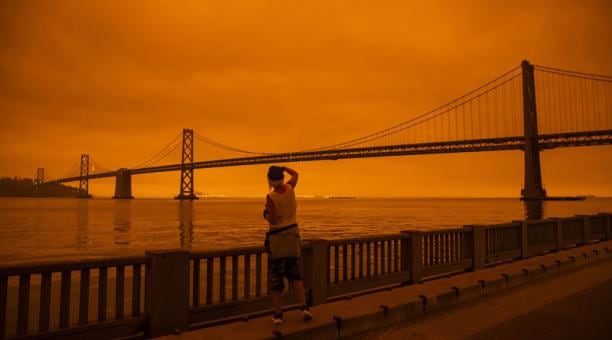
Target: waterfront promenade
<point>542,297</point>
<point>355,285</point>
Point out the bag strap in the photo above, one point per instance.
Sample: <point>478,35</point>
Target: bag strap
<point>281,229</point>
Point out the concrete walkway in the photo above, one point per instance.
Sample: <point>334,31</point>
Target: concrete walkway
<point>573,305</point>
<point>585,315</point>
<point>362,315</point>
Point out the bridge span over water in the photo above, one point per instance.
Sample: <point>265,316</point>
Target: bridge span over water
<point>529,108</point>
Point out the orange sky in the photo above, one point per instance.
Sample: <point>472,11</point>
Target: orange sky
<point>118,80</point>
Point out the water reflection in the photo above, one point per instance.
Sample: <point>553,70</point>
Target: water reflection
<point>82,224</point>
<point>122,222</point>
<point>534,210</point>
<point>186,223</point>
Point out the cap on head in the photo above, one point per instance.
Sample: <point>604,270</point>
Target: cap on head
<point>276,173</point>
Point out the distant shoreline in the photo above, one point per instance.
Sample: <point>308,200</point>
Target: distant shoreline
<point>26,188</point>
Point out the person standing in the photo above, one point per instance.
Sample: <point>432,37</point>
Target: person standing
<point>284,241</point>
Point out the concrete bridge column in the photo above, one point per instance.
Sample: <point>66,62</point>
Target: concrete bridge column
<point>532,189</point>
<point>123,184</point>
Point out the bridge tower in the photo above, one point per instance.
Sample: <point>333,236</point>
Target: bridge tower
<point>532,189</point>
<point>39,180</point>
<point>40,176</point>
<point>186,189</point>
<point>84,178</point>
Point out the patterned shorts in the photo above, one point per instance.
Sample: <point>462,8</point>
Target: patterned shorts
<point>280,268</point>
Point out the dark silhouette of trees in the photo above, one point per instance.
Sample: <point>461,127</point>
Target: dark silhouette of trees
<point>24,187</point>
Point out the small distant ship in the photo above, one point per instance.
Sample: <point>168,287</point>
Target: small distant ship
<point>567,198</point>
<point>338,197</point>
<point>561,198</point>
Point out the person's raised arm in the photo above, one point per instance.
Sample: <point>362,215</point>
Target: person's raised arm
<point>294,177</point>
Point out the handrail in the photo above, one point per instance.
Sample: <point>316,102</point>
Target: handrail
<point>227,252</point>
<point>381,237</point>
<point>445,231</point>
<point>496,225</point>
<point>57,265</point>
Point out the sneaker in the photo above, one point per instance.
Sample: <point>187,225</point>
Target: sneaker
<point>306,314</point>
<point>277,318</point>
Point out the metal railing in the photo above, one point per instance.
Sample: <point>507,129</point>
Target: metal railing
<point>217,293</point>
<point>446,251</point>
<point>362,263</point>
<point>109,298</point>
<point>65,299</point>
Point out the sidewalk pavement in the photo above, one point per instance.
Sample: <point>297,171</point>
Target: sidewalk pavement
<point>574,305</point>
<point>364,314</point>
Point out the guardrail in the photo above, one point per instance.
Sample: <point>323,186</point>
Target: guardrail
<point>246,281</point>
<point>446,251</point>
<point>363,263</point>
<point>45,303</point>
<point>181,290</point>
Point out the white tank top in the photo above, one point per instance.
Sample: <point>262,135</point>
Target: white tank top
<point>286,207</point>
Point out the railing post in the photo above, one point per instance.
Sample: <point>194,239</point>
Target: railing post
<point>315,269</point>
<point>524,240</point>
<point>405,257</point>
<point>559,234</point>
<point>478,247</point>
<point>412,255</point>
<point>608,225</point>
<point>167,292</point>
<point>586,229</point>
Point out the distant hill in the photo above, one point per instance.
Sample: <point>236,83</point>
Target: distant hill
<point>24,187</point>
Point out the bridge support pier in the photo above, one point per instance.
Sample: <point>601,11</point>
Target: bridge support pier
<point>84,178</point>
<point>532,189</point>
<point>123,184</point>
<point>186,189</point>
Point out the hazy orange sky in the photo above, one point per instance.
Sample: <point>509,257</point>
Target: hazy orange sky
<point>119,79</point>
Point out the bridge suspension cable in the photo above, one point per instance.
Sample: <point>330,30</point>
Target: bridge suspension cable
<point>571,101</point>
<point>454,106</point>
<point>163,153</point>
<point>228,148</point>
<point>72,172</point>
<point>575,74</point>
<point>96,167</point>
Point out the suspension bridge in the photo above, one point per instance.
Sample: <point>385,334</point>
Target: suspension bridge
<point>529,108</point>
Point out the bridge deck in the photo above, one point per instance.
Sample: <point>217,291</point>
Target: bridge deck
<point>548,141</point>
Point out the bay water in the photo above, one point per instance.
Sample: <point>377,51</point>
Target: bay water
<point>66,228</point>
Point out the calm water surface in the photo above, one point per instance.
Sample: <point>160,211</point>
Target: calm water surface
<point>32,229</point>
